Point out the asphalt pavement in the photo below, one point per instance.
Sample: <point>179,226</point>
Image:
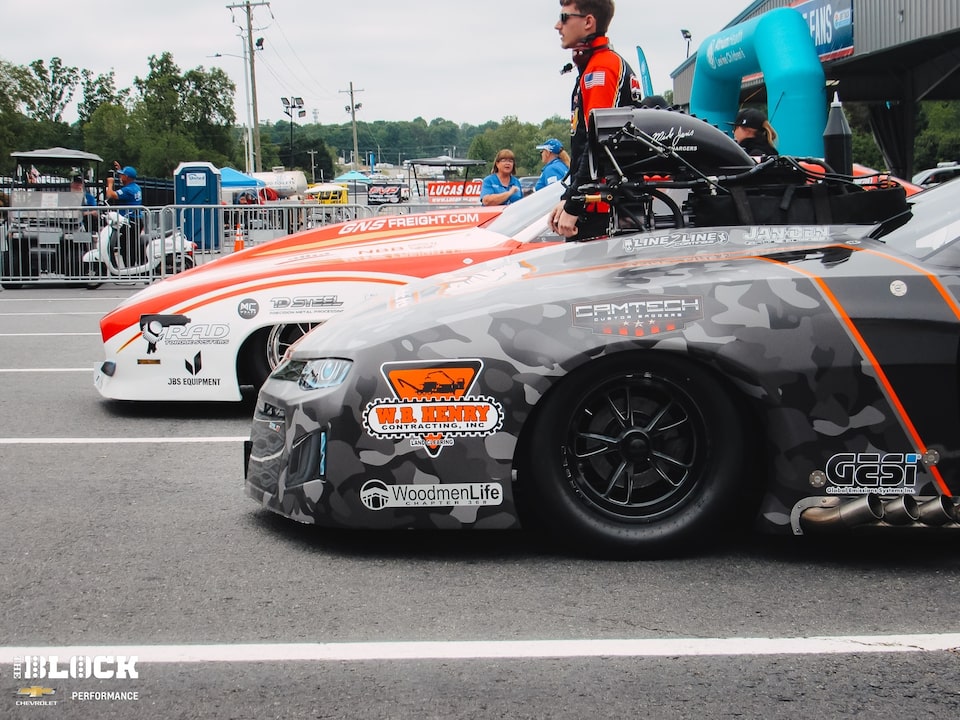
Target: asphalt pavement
<point>127,539</point>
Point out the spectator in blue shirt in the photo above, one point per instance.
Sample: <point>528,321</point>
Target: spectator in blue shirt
<point>556,163</point>
<point>130,197</point>
<point>129,193</point>
<point>501,187</point>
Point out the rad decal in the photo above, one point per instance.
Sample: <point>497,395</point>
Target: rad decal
<point>638,317</point>
<point>377,495</point>
<point>872,473</point>
<point>197,334</point>
<point>432,404</point>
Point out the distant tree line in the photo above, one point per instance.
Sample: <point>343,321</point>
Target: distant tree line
<point>170,116</point>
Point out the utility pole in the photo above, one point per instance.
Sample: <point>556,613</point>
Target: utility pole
<point>248,6</point>
<point>313,165</point>
<point>352,109</point>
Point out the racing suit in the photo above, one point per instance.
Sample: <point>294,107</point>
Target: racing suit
<point>606,80</point>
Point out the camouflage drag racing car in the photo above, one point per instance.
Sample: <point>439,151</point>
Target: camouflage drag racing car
<point>648,391</point>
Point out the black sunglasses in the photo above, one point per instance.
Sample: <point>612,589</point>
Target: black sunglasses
<point>566,16</point>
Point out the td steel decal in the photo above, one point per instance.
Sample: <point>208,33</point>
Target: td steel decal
<point>432,404</point>
<point>638,316</point>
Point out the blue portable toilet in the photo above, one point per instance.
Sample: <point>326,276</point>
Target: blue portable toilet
<point>197,191</point>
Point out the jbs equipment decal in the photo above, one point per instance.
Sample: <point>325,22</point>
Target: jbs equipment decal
<point>867,473</point>
<point>432,405</point>
<point>638,316</point>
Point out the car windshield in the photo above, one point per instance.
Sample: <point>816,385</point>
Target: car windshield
<point>523,213</point>
<point>929,226</point>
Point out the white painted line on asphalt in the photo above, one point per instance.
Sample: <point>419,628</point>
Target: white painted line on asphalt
<point>111,441</point>
<point>519,649</point>
<point>36,370</point>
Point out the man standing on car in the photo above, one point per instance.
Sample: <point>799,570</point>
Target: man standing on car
<point>605,80</point>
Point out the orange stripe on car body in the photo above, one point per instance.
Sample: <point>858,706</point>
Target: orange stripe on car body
<point>867,353</point>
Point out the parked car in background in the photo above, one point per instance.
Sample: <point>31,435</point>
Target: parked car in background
<point>527,183</point>
<point>941,173</point>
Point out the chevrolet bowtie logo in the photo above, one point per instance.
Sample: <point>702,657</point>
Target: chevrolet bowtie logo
<point>36,691</point>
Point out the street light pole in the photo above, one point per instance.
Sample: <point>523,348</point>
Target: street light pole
<point>352,109</point>
<point>289,106</point>
<point>688,37</point>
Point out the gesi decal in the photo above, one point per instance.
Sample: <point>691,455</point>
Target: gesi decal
<point>867,473</point>
<point>433,404</point>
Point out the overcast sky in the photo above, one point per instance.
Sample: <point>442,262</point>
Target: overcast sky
<point>462,61</point>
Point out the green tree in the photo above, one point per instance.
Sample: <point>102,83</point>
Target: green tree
<point>179,117</point>
<point>14,124</point>
<point>96,91</point>
<point>521,138</point>
<point>52,90</point>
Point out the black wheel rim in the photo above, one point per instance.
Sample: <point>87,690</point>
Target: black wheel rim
<point>636,447</point>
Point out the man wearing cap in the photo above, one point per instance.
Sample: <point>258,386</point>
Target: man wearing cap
<point>556,163</point>
<point>129,192</point>
<point>754,133</point>
<point>130,195</point>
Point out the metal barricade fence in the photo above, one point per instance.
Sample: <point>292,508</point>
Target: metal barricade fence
<point>70,245</point>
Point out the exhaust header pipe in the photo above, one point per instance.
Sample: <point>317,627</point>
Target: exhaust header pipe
<point>863,510</point>
<point>835,513</point>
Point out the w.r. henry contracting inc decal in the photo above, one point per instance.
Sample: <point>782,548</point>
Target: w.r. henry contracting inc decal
<point>377,495</point>
<point>432,404</point>
<point>638,316</point>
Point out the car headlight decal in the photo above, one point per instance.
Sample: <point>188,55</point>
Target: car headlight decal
<point>324,373</point>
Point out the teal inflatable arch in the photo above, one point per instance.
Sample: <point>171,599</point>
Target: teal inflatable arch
<point>779,45</point>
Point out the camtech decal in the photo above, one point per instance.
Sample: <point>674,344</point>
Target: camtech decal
<point>432,404</point>
<point>638,316</point>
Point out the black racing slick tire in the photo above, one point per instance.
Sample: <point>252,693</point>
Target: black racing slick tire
<point>637,456</point>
